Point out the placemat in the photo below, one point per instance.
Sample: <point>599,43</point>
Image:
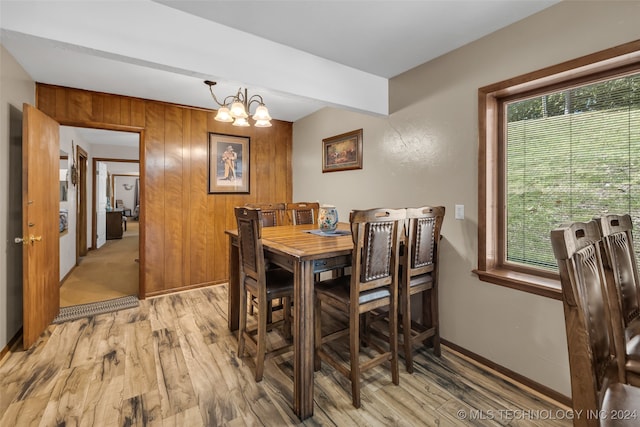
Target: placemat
<point>329,234</point>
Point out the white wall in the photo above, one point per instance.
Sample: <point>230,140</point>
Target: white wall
<point>16,87</point>
<point>120,191</point>
<point>426,152</point>
<point>68,239</point>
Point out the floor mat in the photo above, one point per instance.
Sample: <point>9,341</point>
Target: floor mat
<point>85,310</point>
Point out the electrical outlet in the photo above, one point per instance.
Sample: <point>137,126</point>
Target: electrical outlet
<point>459,212</point>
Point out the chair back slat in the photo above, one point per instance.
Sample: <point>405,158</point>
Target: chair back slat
<point>617,234</point>
<point>423,235</point>
<point>377,251</point>
<point>251,252</point>
<point>303,212</point>
<point>272,213</point>
<point>376,235</point>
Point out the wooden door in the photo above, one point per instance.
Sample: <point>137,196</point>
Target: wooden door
<point>40,222</point>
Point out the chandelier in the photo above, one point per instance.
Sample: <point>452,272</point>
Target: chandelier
<point>235,108</point>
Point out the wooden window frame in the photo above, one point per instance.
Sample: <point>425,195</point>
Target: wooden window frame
<point>492,266</point>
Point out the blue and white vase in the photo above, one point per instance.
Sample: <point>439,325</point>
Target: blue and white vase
<point>328,218</point>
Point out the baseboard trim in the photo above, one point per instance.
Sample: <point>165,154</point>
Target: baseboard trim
<point>518,378</point>
<point>13,342</point>
<point>183,289</point>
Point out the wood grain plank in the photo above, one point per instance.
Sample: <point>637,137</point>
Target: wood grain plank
<point>97,107</point>
<point>198,220</point>
<point>140,361</point>
<point>141,410</point>
<point>176,390</point>
<point>111,109</point>
<point>79,105</point>
<point>137,113</point>
<point>62,103</point>
<point>186,198</point>
<point>66,402</point>
<point>154,197</point>
<point>104,400</point>
<point>46,99</point>
<point>125,111</point>
<point>173,203</point>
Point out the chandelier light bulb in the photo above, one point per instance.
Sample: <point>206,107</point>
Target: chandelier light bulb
<point>261,113</point>
<point>238,111</point>
<point>263,124</point>
<point>241,121</point>
<point>224,115</point>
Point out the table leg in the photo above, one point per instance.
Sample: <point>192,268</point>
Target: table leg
<point>303,327</point>
<point>234,285</point>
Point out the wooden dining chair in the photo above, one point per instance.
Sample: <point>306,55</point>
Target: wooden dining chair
<point>262,286</point>
<point>372,284</point>
<point>303,212</point>
<point>419,275</point>
<point>596,386</point>
<point>624,291</point>
<point>272,213</point>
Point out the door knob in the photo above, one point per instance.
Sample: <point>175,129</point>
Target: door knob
<point>21,240</point>
<point>32,238</point>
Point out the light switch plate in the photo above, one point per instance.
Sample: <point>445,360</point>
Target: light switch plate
<point>459,212</point>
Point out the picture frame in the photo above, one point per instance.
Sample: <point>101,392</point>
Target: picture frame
<point>229,164</point>
<point>342,152</point>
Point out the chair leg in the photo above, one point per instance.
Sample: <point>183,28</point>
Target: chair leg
<point>269,311</point>
<point>433,297</point>
<point>243,318</point>
<point>354,344</point>
<point>261,346</point>
<point>317,363</point>
<point>406,330</point>
<point>393,339</point>
<point>286,313</point>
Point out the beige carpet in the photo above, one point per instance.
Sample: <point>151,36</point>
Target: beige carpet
<point>106,273</point>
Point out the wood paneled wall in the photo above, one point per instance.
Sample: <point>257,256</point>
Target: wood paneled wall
<point>183,244</point>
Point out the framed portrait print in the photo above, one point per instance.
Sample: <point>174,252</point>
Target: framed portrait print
<point>228,164</point>
<point>342,152</point>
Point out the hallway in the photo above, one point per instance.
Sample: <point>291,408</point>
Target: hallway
<point>107,273</point>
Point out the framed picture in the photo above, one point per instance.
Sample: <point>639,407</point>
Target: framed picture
<point>228,164</point>
<point>342,152</point>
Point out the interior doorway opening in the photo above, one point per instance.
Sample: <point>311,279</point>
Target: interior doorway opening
<point>95,266</point>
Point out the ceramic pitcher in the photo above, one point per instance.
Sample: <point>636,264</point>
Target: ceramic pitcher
<point>328,218</point>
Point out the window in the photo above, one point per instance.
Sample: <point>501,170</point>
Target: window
<point>558,145</point>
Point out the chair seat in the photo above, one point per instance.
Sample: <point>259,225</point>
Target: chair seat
<point>279,283</point>
<point>420,283</point>
<point>338,291</point>
<point>620,399</point>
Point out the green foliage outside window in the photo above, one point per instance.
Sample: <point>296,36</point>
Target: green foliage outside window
<point>571,155</point>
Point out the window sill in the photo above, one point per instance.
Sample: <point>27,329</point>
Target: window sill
<point>543,286</point>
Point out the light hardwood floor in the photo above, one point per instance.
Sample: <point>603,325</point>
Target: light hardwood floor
<point>173,362</point>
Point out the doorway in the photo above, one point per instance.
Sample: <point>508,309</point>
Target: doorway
<point>109,271</point>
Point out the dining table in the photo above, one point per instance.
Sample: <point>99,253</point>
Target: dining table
<point>305,251</point>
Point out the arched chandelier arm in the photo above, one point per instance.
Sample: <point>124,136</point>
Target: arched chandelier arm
<point>213,95</point>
